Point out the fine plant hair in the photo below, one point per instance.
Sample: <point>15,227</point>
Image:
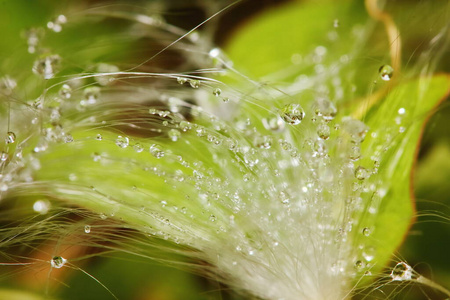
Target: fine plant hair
<point>124,133</point>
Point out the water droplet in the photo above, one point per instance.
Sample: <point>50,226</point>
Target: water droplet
<point>58,262</point>
<point>369,253</point>
<point>323,130</point>
<point>10,137</point>
<point>274,124</point>
<point>361,173</point>
<point>87,228</point>
<point>138,148</point>
<point>181,80</point>
<point>386,72</point>
<point>194,83</point>
<point>355,153</point>
<point>336,23</point>
<point>91,95</point>
<point>292,114</point>
<point>99,137</point>
<point>103,216</point>
<point>185,126</point>
<point>33,37</point>
<point>359,265</point>
<point>402,271</point>
<point>174,135</point>
<point>7,85</point>
<point>356,129</point>
<point>366,231</point>
<point>106,68</point>
<point>47,66</point>
<point>325,108</point>
<point>56,24</point>
<point>122,141</point>
<point>68,138</point>
<point>41,206</point>
<point>217,92</point>
<point>156,151</point>
<point>401,111</point>
<point>4,156</point>
<point>212,218</point>
<point>65,91</point>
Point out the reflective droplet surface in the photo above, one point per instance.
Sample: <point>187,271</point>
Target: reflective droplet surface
<point>274,124</point>
<point>174,135</point>
<point>386,72</point>
<point>47,66</point>
<point>181,80</point>
<point>10,137</point>
<point>323,130</point>
<point>194,83</point>
<point>292,114</point>
<point>156,151</point>
<point>87,228</point>
<point>366,231</point>
<point>41,206</point>
<point>402,271</point>
<point>361,173</point>
<point>138,148</point>
<point>122,141</point>
<point>217,92</point>
<point>58,262</point>
<point>65,91</point>
<point>56,24</point>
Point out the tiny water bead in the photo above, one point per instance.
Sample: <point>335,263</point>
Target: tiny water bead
<point>194,83</point>
<point>138,148</point>
<point>47,66</point>
<point>106,68</point>
<point>274,124</point>
<point>323,130</point>
<point>174,135</point>
<point>156,151</point>
<point>58,262</point>
<point>41,206</point>
<point>361,173</point>
<point>87,228</point>
<point>386,72</point>
<point>401,272</point>
<point>91,95</point>
<point>217,92</point>
<point>292,114</point>
<point>10,137</point>
<point>366,231</point>
<point>56,24</point>
<point>122,141</point>
<point>181,80</point>
<point>7,85</point>
<point>65,91</point>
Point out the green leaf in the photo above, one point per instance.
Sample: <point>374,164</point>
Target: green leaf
<point>396,126</point>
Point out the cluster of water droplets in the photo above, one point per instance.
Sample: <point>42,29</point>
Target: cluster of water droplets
<point>272,188</point>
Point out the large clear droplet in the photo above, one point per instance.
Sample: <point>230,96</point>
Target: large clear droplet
<point>402,271</point>
<point>386,72</point>
<point>58,262</point>
<point>156,151</point>
<point>292,114</point>
<point>122,141</point>
<point>87,228</point>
